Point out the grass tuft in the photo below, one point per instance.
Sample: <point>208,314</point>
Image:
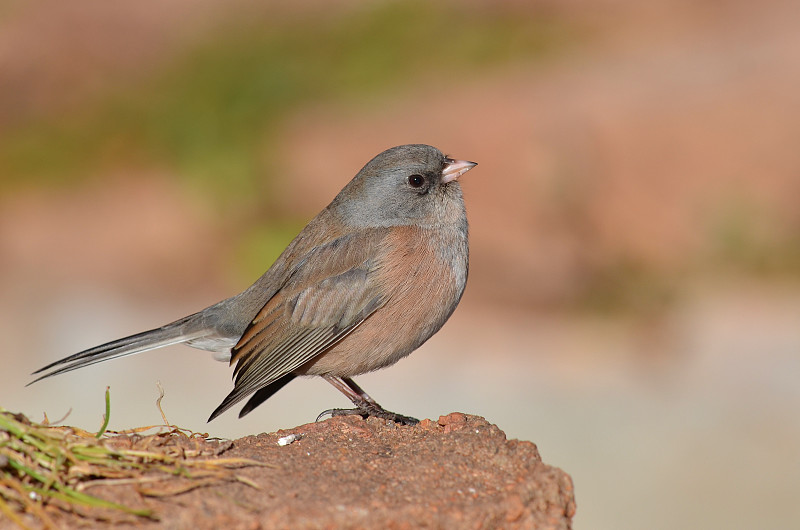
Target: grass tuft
<point>46,470</point>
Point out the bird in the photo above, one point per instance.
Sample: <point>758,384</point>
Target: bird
<point>371,278</point>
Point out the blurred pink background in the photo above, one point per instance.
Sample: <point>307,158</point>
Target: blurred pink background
<point>634,297</point>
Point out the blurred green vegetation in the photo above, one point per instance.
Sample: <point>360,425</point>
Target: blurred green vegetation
<point>211,115</point>
<point>628,285</point>
<point>754,238</point>
<point>262,244</point>
<point>743,237</point>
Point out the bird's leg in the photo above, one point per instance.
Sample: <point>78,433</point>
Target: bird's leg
<point>365,405</point>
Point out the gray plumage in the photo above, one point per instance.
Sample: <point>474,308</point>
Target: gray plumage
<point>366,282</point>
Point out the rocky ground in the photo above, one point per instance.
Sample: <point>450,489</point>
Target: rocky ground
<point>457,472</point>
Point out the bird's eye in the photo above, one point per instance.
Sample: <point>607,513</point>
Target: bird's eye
<point>416,181</point>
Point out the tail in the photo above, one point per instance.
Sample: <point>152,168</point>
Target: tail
<point>179,331</point>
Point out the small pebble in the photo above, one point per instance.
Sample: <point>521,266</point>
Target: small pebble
<point>286,440</point>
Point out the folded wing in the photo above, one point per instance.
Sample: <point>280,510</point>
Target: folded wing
<point>329,293</point>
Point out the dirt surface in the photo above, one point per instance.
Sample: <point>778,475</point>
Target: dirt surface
<point>457,472</point>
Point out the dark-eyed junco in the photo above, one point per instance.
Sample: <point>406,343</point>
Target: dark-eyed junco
<point>364,284</point>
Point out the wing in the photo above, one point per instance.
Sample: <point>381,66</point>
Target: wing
<point>330,291</point>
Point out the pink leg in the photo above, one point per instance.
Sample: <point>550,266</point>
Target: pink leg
<point>365,405</point>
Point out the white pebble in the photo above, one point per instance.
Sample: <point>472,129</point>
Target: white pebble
<point>286,440</point>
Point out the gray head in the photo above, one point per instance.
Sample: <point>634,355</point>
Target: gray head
<point>408,184</point>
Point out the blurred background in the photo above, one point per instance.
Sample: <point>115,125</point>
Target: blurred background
<point>634,296</point>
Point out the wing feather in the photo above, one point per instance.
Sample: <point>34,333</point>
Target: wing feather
<point>331,291</point>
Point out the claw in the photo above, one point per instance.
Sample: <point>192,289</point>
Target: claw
<point>367,411</point>
<point>325,412</point>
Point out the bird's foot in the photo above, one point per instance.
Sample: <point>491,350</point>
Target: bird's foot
<point>366,410</point>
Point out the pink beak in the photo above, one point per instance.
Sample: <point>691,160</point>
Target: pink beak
<point>455,168</point>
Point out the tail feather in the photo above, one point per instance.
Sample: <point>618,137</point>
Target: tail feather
<point>260,396</point>
<point>173,333</point>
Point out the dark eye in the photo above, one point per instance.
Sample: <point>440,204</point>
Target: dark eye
<point>416,181</point>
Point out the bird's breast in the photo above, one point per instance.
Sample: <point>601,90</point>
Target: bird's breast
<point>423,273</point>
